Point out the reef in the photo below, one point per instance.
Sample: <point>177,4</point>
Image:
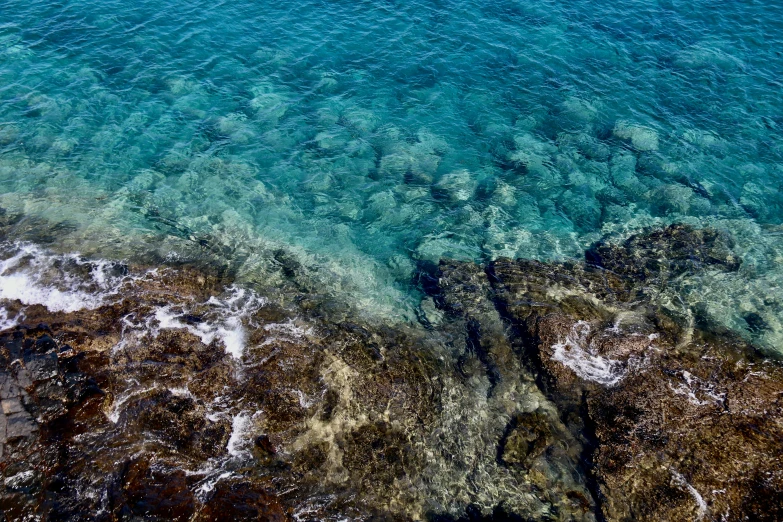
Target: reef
<point>572,391</point>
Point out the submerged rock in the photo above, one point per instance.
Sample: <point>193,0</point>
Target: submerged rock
<point>529,437</point>
<point>456,187</point>
<point>665,254</point>
<point>686,423</point>
<point>642,138</point>
<point>535,391</point>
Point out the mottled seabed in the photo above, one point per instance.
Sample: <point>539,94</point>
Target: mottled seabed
<point>325,158</point>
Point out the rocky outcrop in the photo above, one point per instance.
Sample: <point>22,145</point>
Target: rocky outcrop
<point>187,399</point>
<point>686,423</point>
<point>544,391</point>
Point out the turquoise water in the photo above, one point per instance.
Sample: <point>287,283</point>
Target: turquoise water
<point>366,137</point>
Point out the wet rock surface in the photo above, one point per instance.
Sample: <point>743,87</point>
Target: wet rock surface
<point>544,391</point>
<point>686,423</point>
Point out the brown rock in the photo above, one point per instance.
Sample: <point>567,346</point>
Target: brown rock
<point>685,425</point>
<point>529,436</point>
<point>153,491</point>
<point>242,501</point>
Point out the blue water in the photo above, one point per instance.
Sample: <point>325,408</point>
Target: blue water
<point>366,137</point>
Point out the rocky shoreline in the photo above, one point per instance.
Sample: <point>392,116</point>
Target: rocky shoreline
<point>533,391</point>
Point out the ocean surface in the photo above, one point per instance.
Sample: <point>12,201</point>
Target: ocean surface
<point>362,140</point>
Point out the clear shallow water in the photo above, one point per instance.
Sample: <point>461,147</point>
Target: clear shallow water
<point>364,137</point>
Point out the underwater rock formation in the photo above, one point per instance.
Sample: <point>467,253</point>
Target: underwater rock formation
<point>544,391</point>
<point>686,423</point>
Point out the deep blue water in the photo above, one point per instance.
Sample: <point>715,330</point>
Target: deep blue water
<point>365,137</point>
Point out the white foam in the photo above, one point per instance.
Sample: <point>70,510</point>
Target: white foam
<point>692,386</point>
<point>304,402</point>
<point>7,322</point>
<point>233,338</point>
<point>210,482</point>
<point>22,287</point>
<point>182,392</point>
<point>289,328</point>
<point>285,332</point>
<point>224,321</point>
<point>694,493</point>
<point>578,355</point>
<point>114,413</point>
<point>313,505</point>
<point>239,426</point>
<point>23,277</point>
